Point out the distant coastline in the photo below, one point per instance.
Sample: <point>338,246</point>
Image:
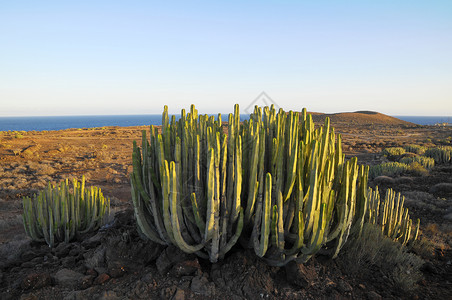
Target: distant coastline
<point>66,122</point>
<point>426,120</point>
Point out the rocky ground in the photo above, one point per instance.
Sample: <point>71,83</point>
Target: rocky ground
<point>115,263</point>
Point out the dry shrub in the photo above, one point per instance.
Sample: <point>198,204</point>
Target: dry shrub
<point>424,248</point>
<point>375,251</point>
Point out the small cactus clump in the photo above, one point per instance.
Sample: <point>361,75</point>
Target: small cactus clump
<point>391,215</point>
<point>441,154</point>
<point>417,149</point>
<point>388,169</point>
<point>393,151</point>
<point>60,212</point>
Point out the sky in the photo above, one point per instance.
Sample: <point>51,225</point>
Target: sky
<point>134,57</point>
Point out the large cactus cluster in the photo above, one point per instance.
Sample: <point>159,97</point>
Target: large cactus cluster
<point>60,212</point>
<point>391,215</point>
<point>186,184</point>
<point>274,182</point>
<point>301,194</point>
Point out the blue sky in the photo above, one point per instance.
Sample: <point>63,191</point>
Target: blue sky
<point>133,57</point>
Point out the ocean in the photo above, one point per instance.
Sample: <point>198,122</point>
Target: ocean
<point>426,120</point>
<point>65,122</point>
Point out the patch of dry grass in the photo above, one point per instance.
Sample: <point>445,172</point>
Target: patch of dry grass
<point>375,251</point>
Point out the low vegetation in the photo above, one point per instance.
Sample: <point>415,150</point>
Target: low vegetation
<point>61,212</point>
<point>412,159</point>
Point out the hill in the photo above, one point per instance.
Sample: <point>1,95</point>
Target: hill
<point>359,118</point>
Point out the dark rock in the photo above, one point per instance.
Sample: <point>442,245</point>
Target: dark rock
<point>37,260</point>
<point>102,278</point>
<point>184,268</point>
<point>148,278</point>
<point>95,258</point>
<point>68,278</point>
<point>62,249</point>
<point>28,265</point>
<point>93,241</point>
<point>68,262</point>
<point>29,255</point>
<point>91,272</point>
<point>179,295</point>
<point>300,275</point>
<point>201,285</point>
<point>116,269</point>
<point>75,251</point>
<point>169,257</point>
<point>373,296</point>
<point>86,282</point>
<point>36,281</point>
<point>168,292</point>
<point>344,287</point>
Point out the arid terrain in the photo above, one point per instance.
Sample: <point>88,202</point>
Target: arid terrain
<point>117,264</point>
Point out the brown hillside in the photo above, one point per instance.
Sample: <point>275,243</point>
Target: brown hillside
<point>359,118</point>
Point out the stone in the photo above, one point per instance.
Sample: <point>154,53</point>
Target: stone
<point>300,275</point>
<point>62,250</point>
<point>95,258</point>
<point>29,255</point>
<point>186,267</point>
<point>168,292</point>
<point>102,278</point>
<point>36,281</point>
<point>179,295</point>
<point>344,287</point>
<point>373,296</point>
<point>169,257</point>
<point>86,282</point>
<point>91,272</point>
<point>116,269</point>
<point>201,285</point>
<point>68,278</point>
<point>68,262</point>
<point>93,241</point>
<point>28,265</point>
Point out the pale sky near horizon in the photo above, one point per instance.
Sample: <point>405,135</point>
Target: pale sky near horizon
<point>133,57</point>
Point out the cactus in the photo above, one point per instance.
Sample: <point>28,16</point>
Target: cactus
<point>417,149</point>
<point>426,162</point>
<point>441,154</point>
<point>393,151</point>
<point>307,201</point>
<point>274,182</point>
<point>391,215</point>
<point>60,212</point>
<point>388,169</point>
<point>186,184</point>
